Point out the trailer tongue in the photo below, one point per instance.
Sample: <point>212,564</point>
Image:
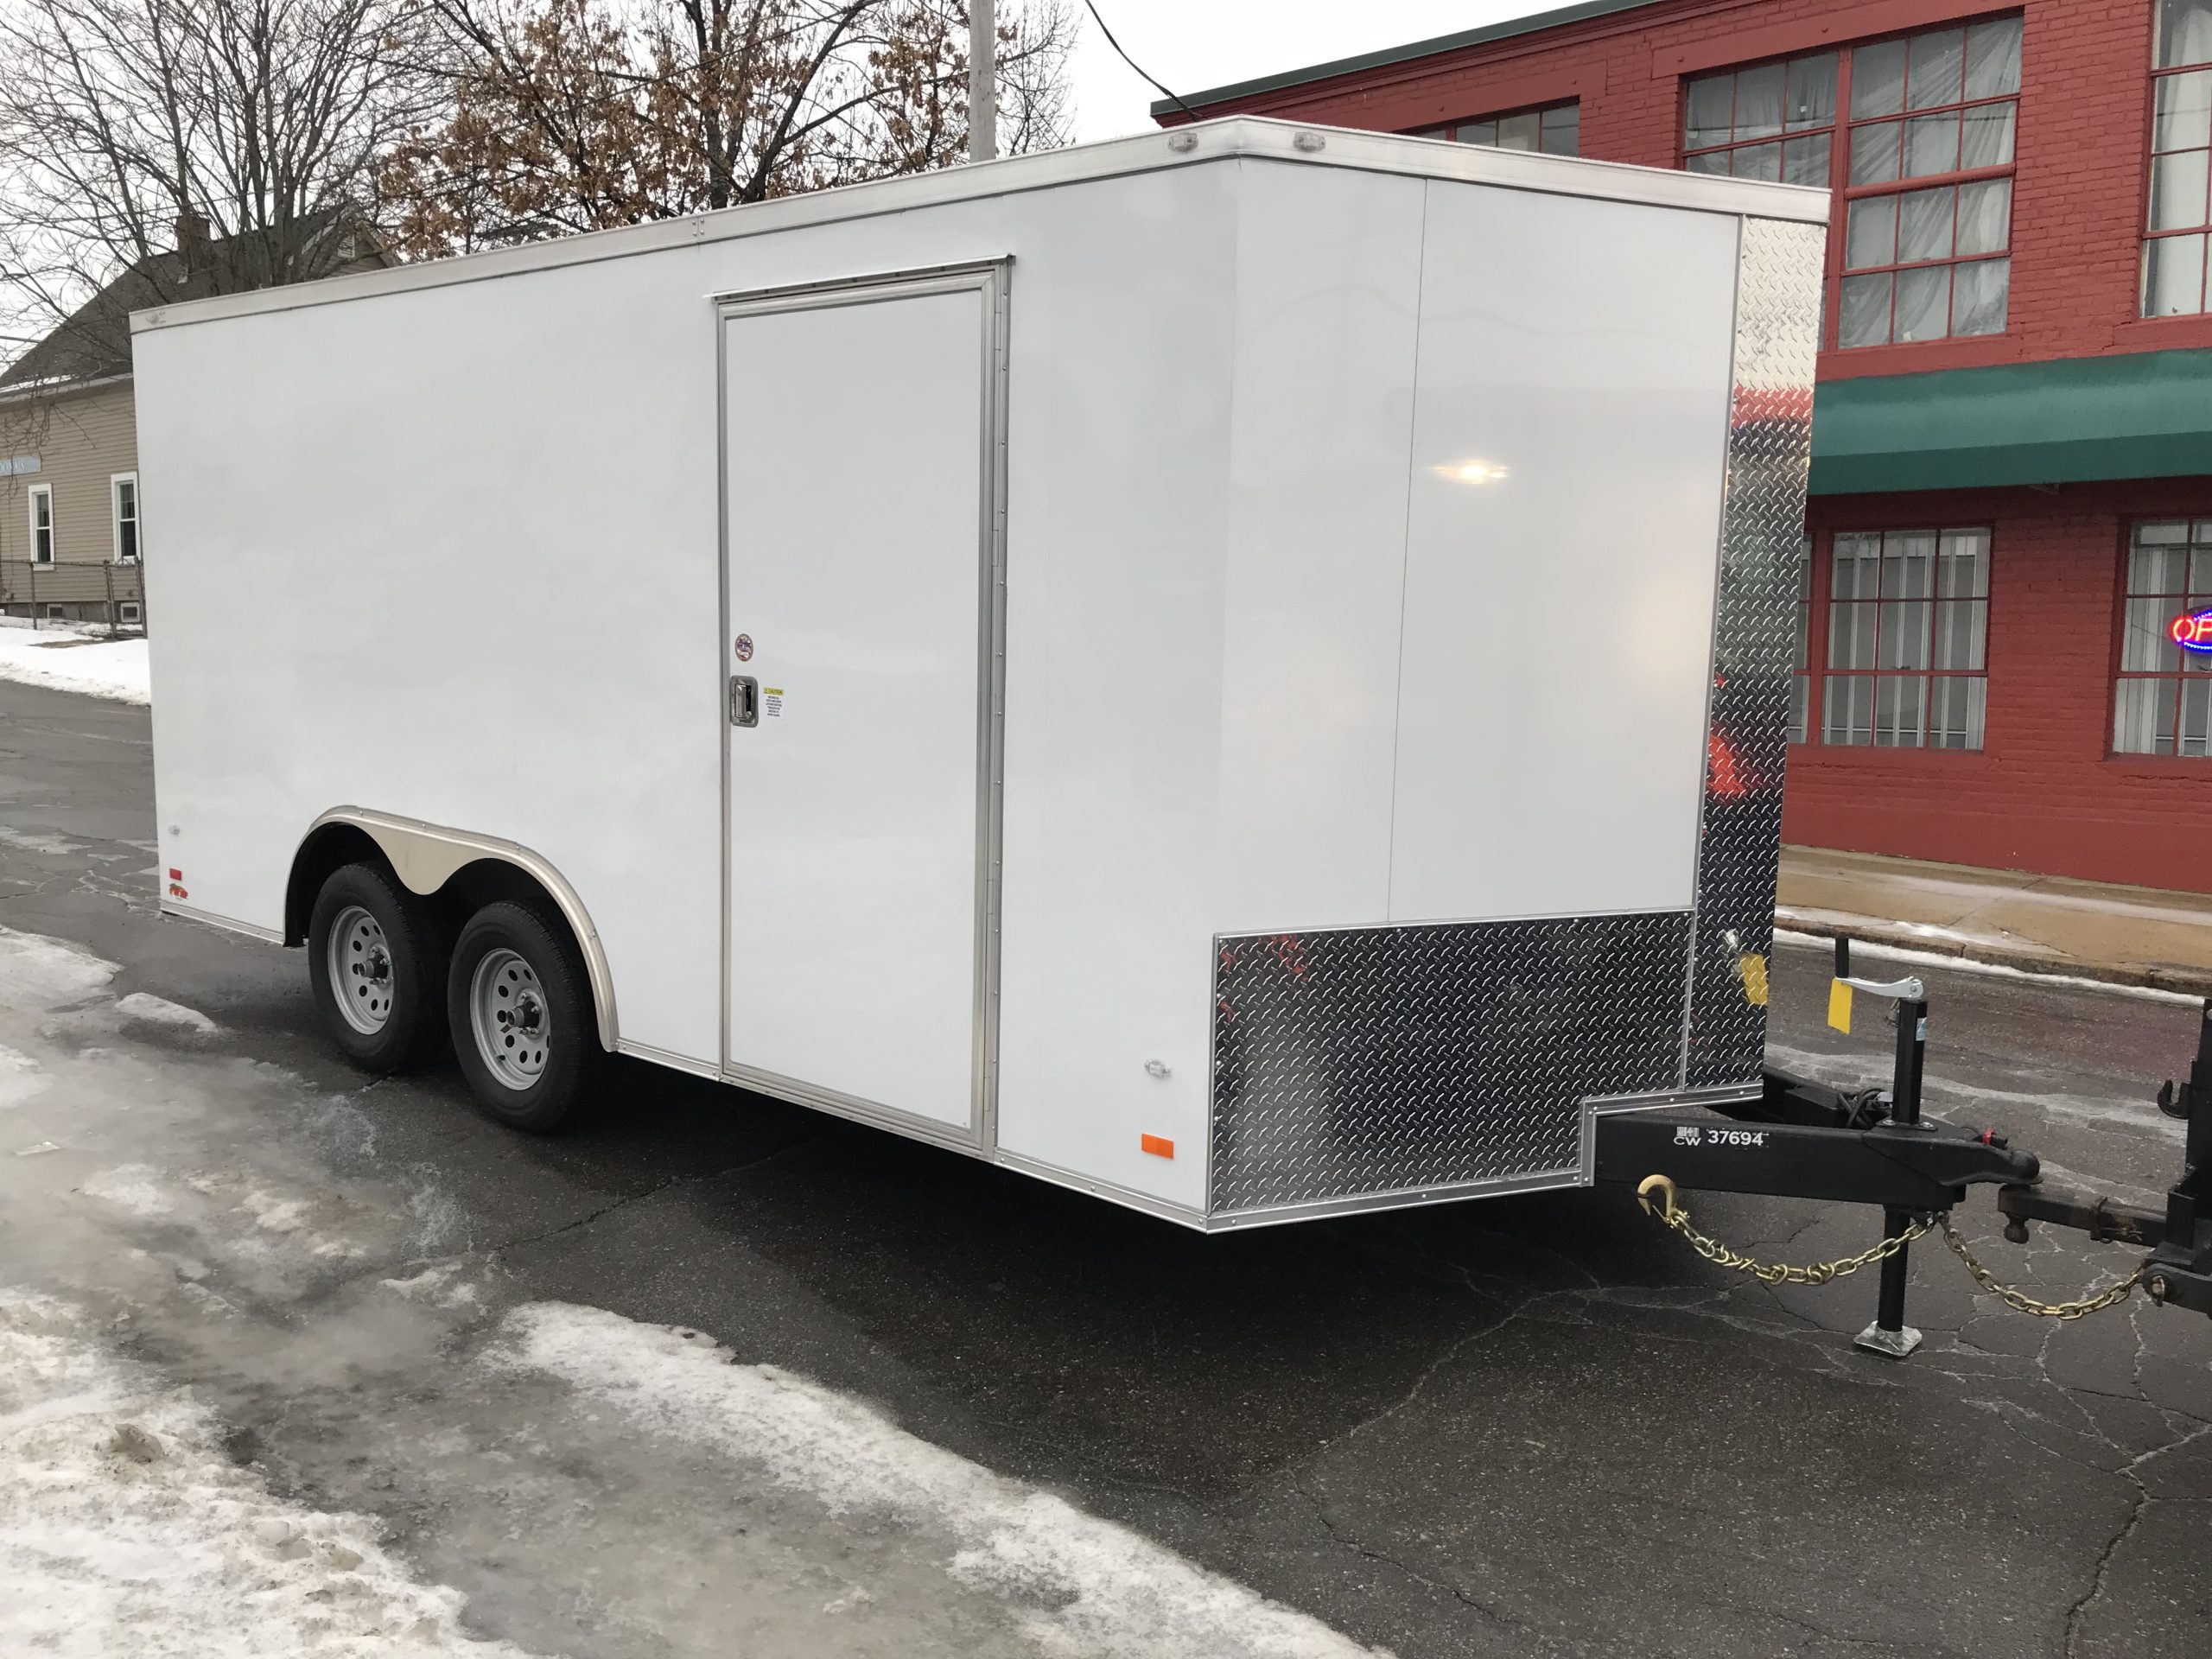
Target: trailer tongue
<point>1803,1140</point>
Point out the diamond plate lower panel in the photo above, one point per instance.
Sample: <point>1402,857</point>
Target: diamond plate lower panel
<point>1755,637</point>
<point>1375,1059</point>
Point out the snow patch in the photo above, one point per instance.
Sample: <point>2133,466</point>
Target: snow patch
<point>1969,965</point>
<point>20,1077</point>
<point>38,974</point>
<point>135,1187</point>
<point>51,846</point>
<point>160,1011</point>
<point>124,1528</point>
<point>441,1286</point>
<point>288,1217</point>
<point>1077,1585</point>
<point>69,659</point>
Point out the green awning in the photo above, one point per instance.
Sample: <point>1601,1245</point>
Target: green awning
<point>2138,415</point>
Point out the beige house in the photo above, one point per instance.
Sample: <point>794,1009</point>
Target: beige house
<point>72,539</point>
<point>69,520</point>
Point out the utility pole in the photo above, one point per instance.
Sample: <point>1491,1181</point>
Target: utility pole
<point>983,81</point>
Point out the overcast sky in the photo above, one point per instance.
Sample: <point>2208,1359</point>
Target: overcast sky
<point>1192,44</point>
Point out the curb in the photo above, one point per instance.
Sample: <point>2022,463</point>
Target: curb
<point>2188,981</point>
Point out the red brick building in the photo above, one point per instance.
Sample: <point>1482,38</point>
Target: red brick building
<point>2012,508</point>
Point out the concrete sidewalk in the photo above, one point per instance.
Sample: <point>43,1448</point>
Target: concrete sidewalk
<point>2041,923</point>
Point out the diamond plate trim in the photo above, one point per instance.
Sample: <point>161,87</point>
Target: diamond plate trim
<point>1384,1059</point>
<point>1762,526</point>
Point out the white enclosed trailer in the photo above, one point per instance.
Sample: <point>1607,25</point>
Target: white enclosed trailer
<point>1242,670</point>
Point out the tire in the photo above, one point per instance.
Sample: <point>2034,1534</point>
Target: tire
<point>376,960</point>
<point>521,1012</point>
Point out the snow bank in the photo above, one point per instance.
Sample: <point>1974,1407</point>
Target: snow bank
<point>71,660</point>
<point>1079,1585</point>
<point>124,1528</point>
<point>38,975</point>
<point>20,1077</point>
<point>153,1010</point>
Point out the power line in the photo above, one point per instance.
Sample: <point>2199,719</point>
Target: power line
<point>1133,63</point>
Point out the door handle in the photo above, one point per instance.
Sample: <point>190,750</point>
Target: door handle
<point>744,700</point>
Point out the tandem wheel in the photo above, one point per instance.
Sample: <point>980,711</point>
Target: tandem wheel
<point>520,1009</point>
<point>376,960</point>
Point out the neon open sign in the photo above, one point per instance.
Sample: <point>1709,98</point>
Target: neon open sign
<point>2193,632</point>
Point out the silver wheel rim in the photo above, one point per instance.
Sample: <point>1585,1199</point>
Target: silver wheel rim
<point>509,1018</point>
<point>359,961</point>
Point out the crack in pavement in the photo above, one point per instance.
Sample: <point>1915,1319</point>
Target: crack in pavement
<point>2144,1500</point>
<point>1337,1535</point>
<point>654,1191</point>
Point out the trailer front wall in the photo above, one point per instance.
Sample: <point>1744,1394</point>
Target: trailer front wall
<point>1480,440</point>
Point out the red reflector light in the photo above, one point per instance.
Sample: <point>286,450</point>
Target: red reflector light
<point>1723,776</point>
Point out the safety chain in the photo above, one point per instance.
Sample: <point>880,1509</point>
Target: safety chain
<point>2111,1296</point>
<point>1670,1212</point>
<point>1776,1273</point>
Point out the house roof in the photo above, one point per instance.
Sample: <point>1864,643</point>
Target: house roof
<point>93,342</point>
<point>1388,55</point>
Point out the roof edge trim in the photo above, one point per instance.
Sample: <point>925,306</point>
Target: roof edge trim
<point>1234,138</point>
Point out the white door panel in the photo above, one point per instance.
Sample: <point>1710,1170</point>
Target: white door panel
<point>1562,549</point>
<point>858,589</point>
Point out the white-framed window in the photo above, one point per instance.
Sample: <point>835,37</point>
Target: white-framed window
<point>123,499</point>
<point>41,523</point>
<point>130,611</point>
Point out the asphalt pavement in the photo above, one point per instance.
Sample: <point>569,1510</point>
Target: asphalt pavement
<point>1536,1426</point>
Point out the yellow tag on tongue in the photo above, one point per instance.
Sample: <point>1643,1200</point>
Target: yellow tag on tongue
<point>1752,966</point>
<point>1840,1006</point>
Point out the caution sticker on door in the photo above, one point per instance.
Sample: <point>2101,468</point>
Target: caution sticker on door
<point>771,700</point>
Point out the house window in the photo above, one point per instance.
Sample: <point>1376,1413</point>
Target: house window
<point>1555,129</point>
<point>2162,704</point>
<point>1916,137</point>
<point>41,523</point>
<point>1907,631</point>
<point>123,491</point>
<point>1775,122</point>
<point>2180,211</point>
<point>1918,262</point>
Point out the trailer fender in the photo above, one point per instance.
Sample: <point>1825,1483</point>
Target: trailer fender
<point>424,856</point>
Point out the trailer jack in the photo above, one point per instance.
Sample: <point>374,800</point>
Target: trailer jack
<point>1801,1139</point>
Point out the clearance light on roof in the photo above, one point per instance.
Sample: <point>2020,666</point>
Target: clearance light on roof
<point>1472,472</point>
<point>2193,632</point>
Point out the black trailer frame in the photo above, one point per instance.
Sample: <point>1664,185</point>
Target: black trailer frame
<point>1801,1139</point>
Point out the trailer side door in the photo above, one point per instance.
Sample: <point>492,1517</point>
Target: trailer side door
<point>859,437</point>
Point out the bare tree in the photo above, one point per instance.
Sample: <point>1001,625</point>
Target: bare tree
<point>199,146</point>
<point>573,115</point>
